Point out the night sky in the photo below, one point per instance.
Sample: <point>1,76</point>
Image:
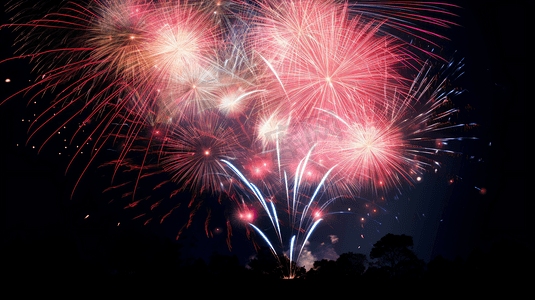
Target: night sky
<point>445,218</point>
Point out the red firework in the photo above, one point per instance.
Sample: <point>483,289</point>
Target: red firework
<point>396,139</point>
<point>326,59</point>
<point>304,78</point>
<point>193,152</point>
<point>182,39</point>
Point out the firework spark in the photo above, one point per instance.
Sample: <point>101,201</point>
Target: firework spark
<point>315,99</point>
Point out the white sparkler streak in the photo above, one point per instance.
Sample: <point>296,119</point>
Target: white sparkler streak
<point>274,72</point>
<point>292,241</point>
<point>315,194</point>
<point>261,199</point>
<point>276,220</point>
<point>333,114</point>
<point>295,189</point>
<point>235,171</point>
<point>251,186</point>
<point>288,197</point>
<point>259,196</point>
<point>265,238</point>
<point>299,172</point>
<point>278,153</point>
<point>247,94</point>
<point>308,235</point>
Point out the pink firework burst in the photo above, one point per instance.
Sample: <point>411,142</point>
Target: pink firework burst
<point>117,34</point>
<point>310,97</point>
<point>193,152</point>
<point>327,59</point>
<point>373,152</point>
<point>183,38</point>
<point>395,139</point>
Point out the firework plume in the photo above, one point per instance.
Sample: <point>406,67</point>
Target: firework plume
<point>285,104</point>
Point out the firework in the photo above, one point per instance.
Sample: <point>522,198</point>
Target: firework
<point>395,139</point>
<point>181,37</point>
<point>193,152</point>
<point>117,34</point>
<point>314,100</point>
<point>325,59</point>
<point>303,212</point>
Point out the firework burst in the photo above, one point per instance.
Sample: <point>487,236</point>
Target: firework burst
<point>313,99</point>
<point>181,37</point>
<point>328,59</point>
<point>193,152</point>
<point>395,139</point>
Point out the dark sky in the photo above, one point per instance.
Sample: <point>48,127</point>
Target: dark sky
<point>443,218</point>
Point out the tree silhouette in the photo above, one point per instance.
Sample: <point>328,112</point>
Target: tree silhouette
<point>348,265</point>
<point>351,264</point>
<point>135,256</point>
<point>323,269</point>
<point>394,255</point>
<point>270,266</point>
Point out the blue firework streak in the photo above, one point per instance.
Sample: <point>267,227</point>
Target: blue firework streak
<point>304,211</point>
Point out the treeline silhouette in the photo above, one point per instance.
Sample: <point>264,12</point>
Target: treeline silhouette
<point>391,257</point>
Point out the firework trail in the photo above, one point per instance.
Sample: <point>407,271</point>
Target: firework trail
<point>302,219</point>
<point>313,100</point>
